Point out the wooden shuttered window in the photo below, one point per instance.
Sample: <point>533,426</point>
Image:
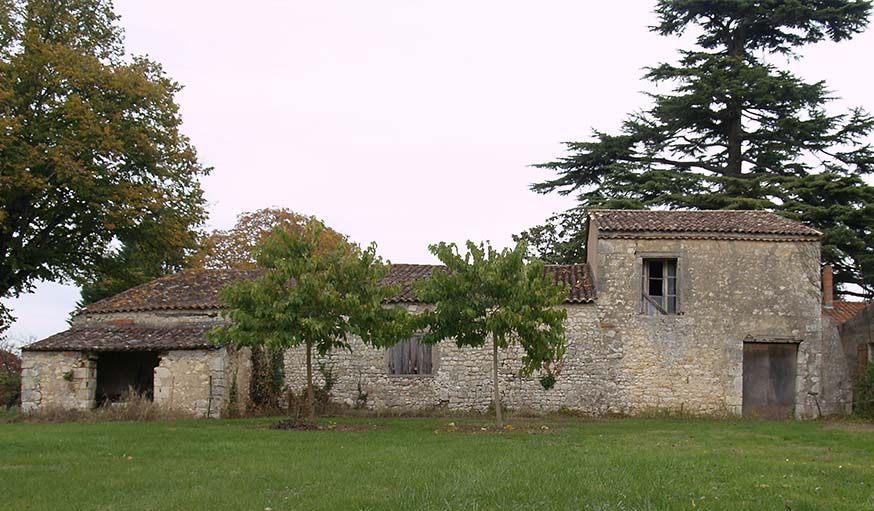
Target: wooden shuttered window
<point>410,357</point>
<point>659,294</point>
<point>862,366</point>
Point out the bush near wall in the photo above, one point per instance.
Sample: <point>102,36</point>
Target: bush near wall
<point>268,370</point>
<point>863,394</point>
<point>10,379</point>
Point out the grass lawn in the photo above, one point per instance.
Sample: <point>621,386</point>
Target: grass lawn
<point>405,464</point>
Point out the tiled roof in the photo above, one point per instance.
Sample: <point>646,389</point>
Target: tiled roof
<point>404,275</point>
<point>842,311</point>
<point>109,337</point>
<point>724,222</point>
<point>199,289</point>
<point>578,279</point>
<point>189,289</point>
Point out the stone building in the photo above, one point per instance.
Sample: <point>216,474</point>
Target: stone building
<point>709,312</point>
<point>848,347</point>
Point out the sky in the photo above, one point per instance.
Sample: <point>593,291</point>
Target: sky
<point>403,122</point>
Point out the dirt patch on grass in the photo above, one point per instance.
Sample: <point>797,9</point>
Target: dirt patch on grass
<point>297,425</point>
<point>850,425</point>
<point>524,427</point>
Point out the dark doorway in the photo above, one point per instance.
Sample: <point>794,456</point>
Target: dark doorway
<point>769,379</point>
<point>118,372</point>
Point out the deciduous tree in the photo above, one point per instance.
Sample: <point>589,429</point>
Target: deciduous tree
<point>738,132</point>
<point>235,247</point>
<point>561,240</point>
<point>312,297</point>
<point>494,296</point>
<point>91,154</point>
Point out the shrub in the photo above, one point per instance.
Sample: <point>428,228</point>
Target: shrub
<point>10,379</point>
<point>547,381</point>
<point>297,406</point>
<point>268,370</point>
<point>863,394</point>
<point>133,407</point>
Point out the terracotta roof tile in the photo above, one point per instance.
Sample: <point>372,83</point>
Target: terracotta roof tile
<point>843,311</point>
<point>578,279</point>
<point>730,222</point>
<point>108,337</point>
<point>189,289</point>
<point>199,289</point>
<point>404,275</point>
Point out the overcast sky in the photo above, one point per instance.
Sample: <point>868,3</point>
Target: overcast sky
<point>403,122</point>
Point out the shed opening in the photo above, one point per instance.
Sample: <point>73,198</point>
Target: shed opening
<point>120,372</point>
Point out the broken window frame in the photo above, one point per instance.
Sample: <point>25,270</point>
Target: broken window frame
<point>666,303</point>
<point>411,357</point>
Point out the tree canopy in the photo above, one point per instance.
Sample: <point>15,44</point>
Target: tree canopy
<point>737,132</point>
<point>494,296</point>
<point>91,157</point>
<point>561,240</point>
<point>312,297</point>
<point>150,258</point>
<point>235,247</point>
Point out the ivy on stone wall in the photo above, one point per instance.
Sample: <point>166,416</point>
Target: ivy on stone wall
<point>268,369</point>
<point>863,394</point>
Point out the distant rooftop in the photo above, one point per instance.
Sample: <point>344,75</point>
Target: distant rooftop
<point>842,311</point>
<point>199,289</point>
<point>716,222</point>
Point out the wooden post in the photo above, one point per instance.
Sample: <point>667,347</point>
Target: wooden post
<point>499,420</point>
<point>311,409</point>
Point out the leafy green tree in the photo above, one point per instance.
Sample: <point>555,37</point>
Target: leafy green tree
<point>91,155</point>
<point>498,296</point>
<point>154,256</point>
<point>312,297</point>
<point>127,267</point>
<point>863,394</point>
<point>10,375</point>
<point>737,132</point>
<point>561,240</point>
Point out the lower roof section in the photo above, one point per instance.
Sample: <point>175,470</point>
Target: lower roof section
<point>110,337</point>
<point>200,289</point>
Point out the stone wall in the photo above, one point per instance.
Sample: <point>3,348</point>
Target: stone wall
<point>199,382</point>
<point>65,379</point>
<point>838,366</point>
<point>237,396</point>
<point>855,333</point>
<point>729,292</point>
<point>168,318</point>
<point>193,381</point>
<point>461,379</point>
<point>618,360</point>
<point>622,361</point>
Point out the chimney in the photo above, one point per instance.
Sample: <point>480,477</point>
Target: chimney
<point>828,286</point>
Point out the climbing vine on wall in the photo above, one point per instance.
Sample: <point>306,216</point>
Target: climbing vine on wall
<point>268,369</point>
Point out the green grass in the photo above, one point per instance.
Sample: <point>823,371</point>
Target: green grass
<point>404,464</point>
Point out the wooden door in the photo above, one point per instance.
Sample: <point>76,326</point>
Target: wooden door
<point>769,379</point>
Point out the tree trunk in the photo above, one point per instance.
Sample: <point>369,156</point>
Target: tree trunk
<point>311,408</point>
<point>499,420</point>
<point>734,112</point>
<point>735,142</point>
